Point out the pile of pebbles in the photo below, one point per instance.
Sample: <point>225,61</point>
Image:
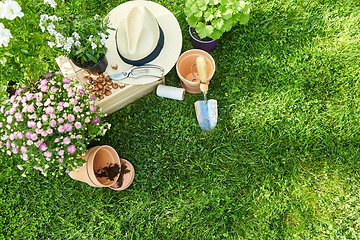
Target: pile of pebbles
<point>102,85</point>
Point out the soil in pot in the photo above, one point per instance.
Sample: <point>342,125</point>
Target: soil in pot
<point>196,35</point>
<point>110,172</point>
<point>124,170</point>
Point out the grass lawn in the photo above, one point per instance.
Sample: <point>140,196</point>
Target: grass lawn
<point>282,162</point>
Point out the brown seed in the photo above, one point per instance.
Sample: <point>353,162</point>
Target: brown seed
<point>87,77</point>
<point>102,91</point>
<point>100,79</point>
<point>115,85</point>
<point>101,97</point>
<point>107,78</point>
<point>107,88</point>
<point>100,86</point>
<point>109,83</point>
<point>96,88</point>
<point>114,66</point>
<point>108,93</point>
<point>92,89</point>
<point>103,82</point>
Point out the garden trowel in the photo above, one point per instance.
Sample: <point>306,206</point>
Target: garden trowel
<point>206,111</point>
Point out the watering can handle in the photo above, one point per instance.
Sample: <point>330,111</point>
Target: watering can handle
<point>201,65</point>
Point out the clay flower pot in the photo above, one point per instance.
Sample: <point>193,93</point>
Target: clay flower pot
<point>102,167</point>
<point>126,176</point>
<point>187,72</point>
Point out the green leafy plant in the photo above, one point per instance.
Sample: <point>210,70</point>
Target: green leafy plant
<point>211,18</point>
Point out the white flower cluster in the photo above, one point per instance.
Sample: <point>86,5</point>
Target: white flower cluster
<point>51,2</point>
<point>10,10</point>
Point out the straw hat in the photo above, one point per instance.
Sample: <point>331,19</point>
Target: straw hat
<point>146,33</point>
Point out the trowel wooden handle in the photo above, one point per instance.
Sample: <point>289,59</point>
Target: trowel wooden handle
<point>201,65</point>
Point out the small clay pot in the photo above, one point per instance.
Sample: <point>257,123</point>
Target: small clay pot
<point>186,70</point>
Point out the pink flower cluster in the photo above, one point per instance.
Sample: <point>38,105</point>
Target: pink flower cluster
<point>48,122</point>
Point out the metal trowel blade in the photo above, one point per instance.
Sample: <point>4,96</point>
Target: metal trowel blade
<point>206,114</point>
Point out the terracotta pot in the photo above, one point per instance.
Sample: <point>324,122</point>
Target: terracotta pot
<point>97,68</point>
<point>186,70</point>
<point>97,158</point>
<point>208,46</point>
<point>126,176</point>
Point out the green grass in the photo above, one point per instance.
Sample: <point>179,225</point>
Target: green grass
<point>282,162</point>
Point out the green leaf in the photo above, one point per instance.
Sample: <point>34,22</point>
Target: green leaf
<point>208,16</point>
<point>202,4</point>
<point>247,8</point>
<point>218,23</point>
<point>192,21</point>
<point>216,34</point>
<point>91,57</point>
<point>204,30</point>
<point>227,14</point>
<point>240,5</point>
<point>228,24</point>
<point>244,18</point>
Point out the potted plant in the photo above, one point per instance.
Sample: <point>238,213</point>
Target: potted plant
<point>48,125</point>
<point>80,38</point>
<point>209,19</point>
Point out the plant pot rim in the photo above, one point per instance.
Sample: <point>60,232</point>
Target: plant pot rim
<point>201,41</point>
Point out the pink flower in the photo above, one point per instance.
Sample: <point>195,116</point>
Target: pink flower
<point>66,104</point>
<point>68,127</point>
<point>43,147</point>
<point>44,88</point>
<point>12,110</point>
<point>61,128</point>
<point>91,97</point>
<point>82,105</point>
<point>29,142</point>
<point>43,82</point>
<point>66,140</point>
<point>38,124</point>
<point>44,117</point>
<point>25,157</point>
<point>12,137</point>
<point>30,108</point>
<point>66,86</point>
<point>60,108</point>
<point>71,118</point>
<point>60,120</point>
<point>87,120</point>
<point>66,80</point>
<point>31,124</point>
<point>53,89</point>
<point>81,91</point>
<point>20,167</point>
<point>8,144</point>
<point>49,131</point>
<point>60,160</point>
<point>53,123</point>
<point>9,119</point>
<point>20,135</point>
<point>33,136</point>
<point>79,137</point>
<point>56,140</point>
<point>28,135</point>
<point>77,109</point>
<point>73,101</point>
<point>71,149</point>
<point>78,125</point>
<point>18,116</point>
<point>44,133</point>
<point>96,120</point>
<point>71,93</point>
<point>47,102</point>
<point>67,171</point>
<point>61,152</point>
<point>47,154</point>
<point>23,149</point>
<point>93,108</point>
<point>49,110</point>
<point>15,150</point>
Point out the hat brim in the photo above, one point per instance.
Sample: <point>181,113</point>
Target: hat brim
<point>172,43</point>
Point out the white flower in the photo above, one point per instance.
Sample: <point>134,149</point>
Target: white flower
<point>51,44</point>
<point>51,2</point>
<point>77,43</point>
<point>96,16</point>
<point>5,35</point>
<point>2,15</point>
<point>93,45</point>
<point>76,35</point>
<point>12,10</point>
